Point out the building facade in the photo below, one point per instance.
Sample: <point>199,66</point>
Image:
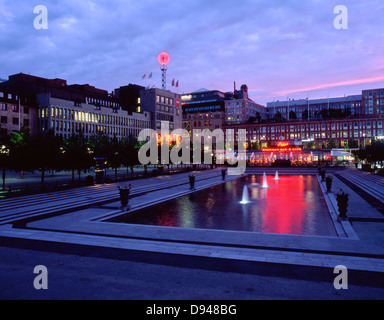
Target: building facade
<point>306,109</point>
<point>344,133</point>
<point>52,104</point>
<point>212,110</point>
<point>66,117</point>
<point>240,108</point>
<point>15,114</point>
<point>203,110</point>
<point>348,122</point>
<point>162,105</point>
<point>373,102</point>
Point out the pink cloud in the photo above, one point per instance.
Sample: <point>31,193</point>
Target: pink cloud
<point>332,85</point>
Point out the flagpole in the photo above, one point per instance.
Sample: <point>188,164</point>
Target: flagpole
<point>288,111</point>
<point>19,116</point>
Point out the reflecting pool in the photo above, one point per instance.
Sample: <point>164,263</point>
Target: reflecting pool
<point>290,205</point>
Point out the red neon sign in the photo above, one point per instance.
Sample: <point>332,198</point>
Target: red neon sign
<point>283,144</point>
<point>292,149</point>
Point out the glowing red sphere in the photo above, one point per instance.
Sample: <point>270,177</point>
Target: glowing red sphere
<point>164,58</point>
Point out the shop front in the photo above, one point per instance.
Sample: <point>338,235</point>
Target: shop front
<point>285,152</point>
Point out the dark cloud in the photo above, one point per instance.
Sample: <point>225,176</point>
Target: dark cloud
<point>276,47</point>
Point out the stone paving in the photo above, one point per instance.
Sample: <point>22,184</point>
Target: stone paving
<point>359,246</point>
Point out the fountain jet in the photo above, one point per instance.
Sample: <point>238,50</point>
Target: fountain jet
<point>265,183</point>
<point>245,195</point>
<point>277,175</point>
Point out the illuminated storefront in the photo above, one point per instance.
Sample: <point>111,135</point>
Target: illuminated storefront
<point>296,155</point>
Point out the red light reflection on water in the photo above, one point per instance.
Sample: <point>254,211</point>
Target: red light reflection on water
<point>285,209</point>
<point>291,205</point>
<point>166,219</point>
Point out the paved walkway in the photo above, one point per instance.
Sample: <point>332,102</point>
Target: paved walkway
<point>31,181</point>
<point>86,232</point>
<point>370,183</point>
<point>44,205</point>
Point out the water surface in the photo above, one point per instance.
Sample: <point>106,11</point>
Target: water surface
<point>291,205</point>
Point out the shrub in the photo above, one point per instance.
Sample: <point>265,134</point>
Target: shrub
<point>89,181</point>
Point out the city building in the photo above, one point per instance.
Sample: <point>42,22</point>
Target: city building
<point>15,114</point>
<point>69,109</point>
<point>67,117</point>
<point>373,102</point>
<point>340,133</point>
<point>204,109</point>
<point>316,109</point>
<point>308,131</point>
<point>162,105</point>
<point>240,108</point>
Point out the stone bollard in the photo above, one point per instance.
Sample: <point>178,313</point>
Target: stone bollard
<point>192,181</point>
<point>342,202</point>
<point>223,173</point>
<point>322,174</point>
<point>124,198</point>
<point>328,182</point>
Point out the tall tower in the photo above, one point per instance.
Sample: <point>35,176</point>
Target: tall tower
<point>164,59</point>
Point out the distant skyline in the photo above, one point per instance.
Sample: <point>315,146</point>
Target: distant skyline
<point>280,49</point>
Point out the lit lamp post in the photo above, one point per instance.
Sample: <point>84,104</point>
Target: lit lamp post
<point>164,59</point>
<point>4,153</point>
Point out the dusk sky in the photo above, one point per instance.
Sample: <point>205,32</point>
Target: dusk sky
<point>278,48</point>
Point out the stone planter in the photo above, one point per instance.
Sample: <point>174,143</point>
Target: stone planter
<point>192,181</point>
<point>328,182</point>
<point>223,173</point>
<point>322,174</point>
<point>124,197</point>
<point>342,202</point>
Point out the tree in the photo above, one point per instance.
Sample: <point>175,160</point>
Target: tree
<point>77,154</point>
<point>130,152</point>
<point>20,151</point>
<point>100,145</point>
<point>372,153</point>
<point>46,152</point>
<point>331,144</point>
<point>278,117</point>
<point>258,117</point>
<point>375,152</point>
<point>292,115</point>
<point>347,113</point>
<point>360,154</point>
<point>311,145</point>
<point>306,115</point>
<point>353,144</point>
<point>255,146</point>
<point>4,154</point>
<point>114,156</point>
